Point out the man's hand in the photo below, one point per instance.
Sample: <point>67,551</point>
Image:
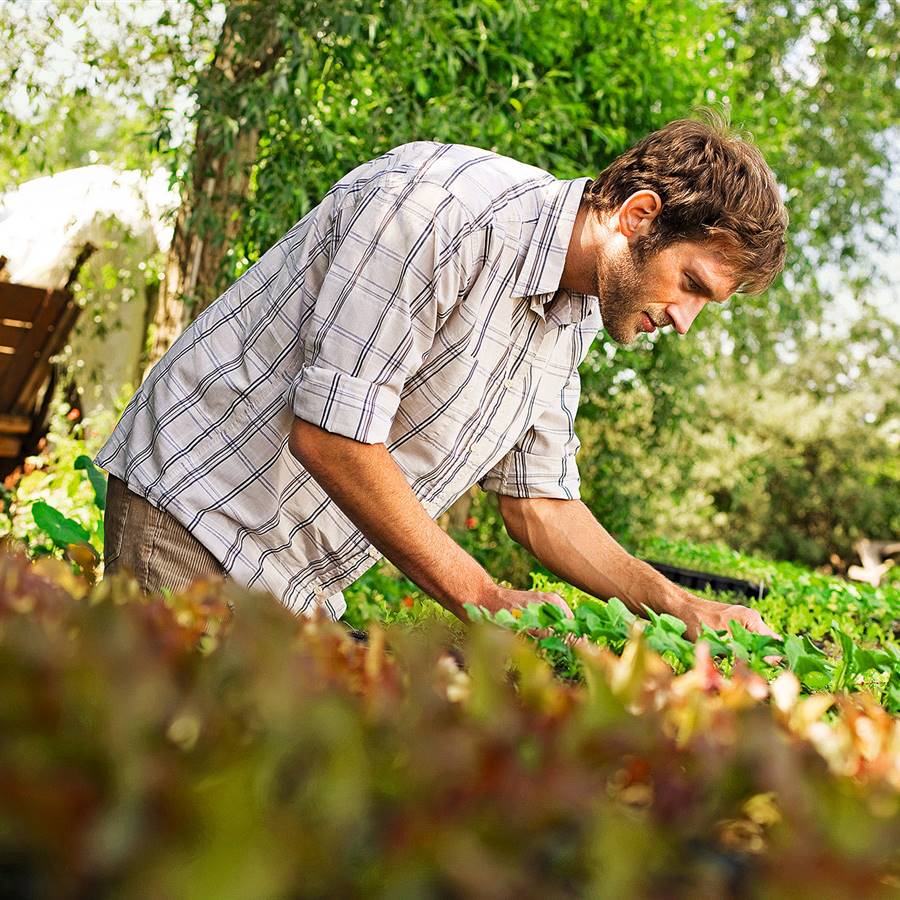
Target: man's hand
<point>510,599</point>
<point>697,612</point>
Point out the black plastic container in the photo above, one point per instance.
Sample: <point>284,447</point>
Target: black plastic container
<point>694,580</point>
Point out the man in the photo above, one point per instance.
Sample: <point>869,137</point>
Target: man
<point>417,332</point>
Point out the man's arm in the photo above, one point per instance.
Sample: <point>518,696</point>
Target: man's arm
<point>370,489</point>
<point>568,540</point>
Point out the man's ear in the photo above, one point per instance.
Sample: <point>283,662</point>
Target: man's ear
<point>637,214</point>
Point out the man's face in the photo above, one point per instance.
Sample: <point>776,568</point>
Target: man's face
<point>669,288</point>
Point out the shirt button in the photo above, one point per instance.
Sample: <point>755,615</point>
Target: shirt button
<point>509,383</point>
<point>373,552</point>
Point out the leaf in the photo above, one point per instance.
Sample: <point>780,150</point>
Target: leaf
<point>846,668</point>
<point>811,648</point>
<point>96,477</point>
<point>529,617</point>
<point>553,643</point>
<point>765,645</point>
<point>717,645</point>
<point>84,556</point>
<point>61,530</point>
<point>475,613</point>
<point>741,635</point>
<point>619,614</point>
<point>793,650</point>
<point>661,642</point>
<point>672,624</point>
<point>816,681</point>
<point>589,622</point>
<point>866,660</point>
<point>548,614</point>
<point>807,662</point>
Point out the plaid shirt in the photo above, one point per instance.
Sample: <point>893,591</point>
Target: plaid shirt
<point>418,305</point>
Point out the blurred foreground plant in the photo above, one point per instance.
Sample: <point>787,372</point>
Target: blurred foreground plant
<point>156,746</point>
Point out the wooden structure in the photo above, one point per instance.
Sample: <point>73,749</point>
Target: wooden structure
<point>34,325</point>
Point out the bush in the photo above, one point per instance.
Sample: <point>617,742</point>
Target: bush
<point>170,747</point>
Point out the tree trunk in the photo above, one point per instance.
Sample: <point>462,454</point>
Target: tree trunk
<point>225,148</point>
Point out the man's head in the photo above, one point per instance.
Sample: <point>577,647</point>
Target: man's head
<point>689,214</point>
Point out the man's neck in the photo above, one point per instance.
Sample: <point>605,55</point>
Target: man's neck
<point>580,269</point>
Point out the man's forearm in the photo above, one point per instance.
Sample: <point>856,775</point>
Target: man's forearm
<point>568,540</point>
<point>370,489</point>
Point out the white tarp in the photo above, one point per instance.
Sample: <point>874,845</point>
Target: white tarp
<point>45,222</point>
<point>44,225</point>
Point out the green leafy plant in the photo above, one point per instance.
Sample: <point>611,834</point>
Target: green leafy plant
<point>609,624</point>
<point>69,536</point>
<point>55,505</point>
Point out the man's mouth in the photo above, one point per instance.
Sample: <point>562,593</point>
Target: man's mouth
<point>647,323</point>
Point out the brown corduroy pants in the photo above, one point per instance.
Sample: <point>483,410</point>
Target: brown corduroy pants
<point>151,544</point>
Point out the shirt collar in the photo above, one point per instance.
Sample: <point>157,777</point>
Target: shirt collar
<point>546,256</point>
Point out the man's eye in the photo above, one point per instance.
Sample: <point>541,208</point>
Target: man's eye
<point>693,287</point>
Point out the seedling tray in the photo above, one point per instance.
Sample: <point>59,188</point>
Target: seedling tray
<point>691,578</point>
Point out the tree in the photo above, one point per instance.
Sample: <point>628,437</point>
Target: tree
<point>228,123</point>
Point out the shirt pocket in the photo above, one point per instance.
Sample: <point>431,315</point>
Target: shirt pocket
<point>440,399</point>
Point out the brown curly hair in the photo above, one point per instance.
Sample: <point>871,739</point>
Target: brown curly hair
<point>716,189</point>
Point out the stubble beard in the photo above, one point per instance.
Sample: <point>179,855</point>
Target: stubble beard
<point>623,296</point>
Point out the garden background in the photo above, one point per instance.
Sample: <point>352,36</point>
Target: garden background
<point>772,425</point>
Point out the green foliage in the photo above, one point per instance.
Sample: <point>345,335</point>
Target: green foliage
<point>147,738</point>
<point>482,73</point>
<point>858,621</point>
<point>96,478</point>
<point>800,601</point>
<point>609,625</point>
<point>123,274</point>
<point>60,497</point>
<point>67,536</point>
<point>854,623</point>
<point>87,82</point>
<point>383,595</point>
<point>68,133</point>
<point>798,463</point>
<point>60,529</point>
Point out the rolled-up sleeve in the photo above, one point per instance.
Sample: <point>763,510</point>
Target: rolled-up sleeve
<point>542,464</point>
<point>401,263</point>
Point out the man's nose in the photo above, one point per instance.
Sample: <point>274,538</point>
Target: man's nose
<point>683,314</point>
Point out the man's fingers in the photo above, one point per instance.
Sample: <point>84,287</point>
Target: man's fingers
<point>560,604</point>
<point>753,621</point>
<point>573,640</point>
<point>540,632</point>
